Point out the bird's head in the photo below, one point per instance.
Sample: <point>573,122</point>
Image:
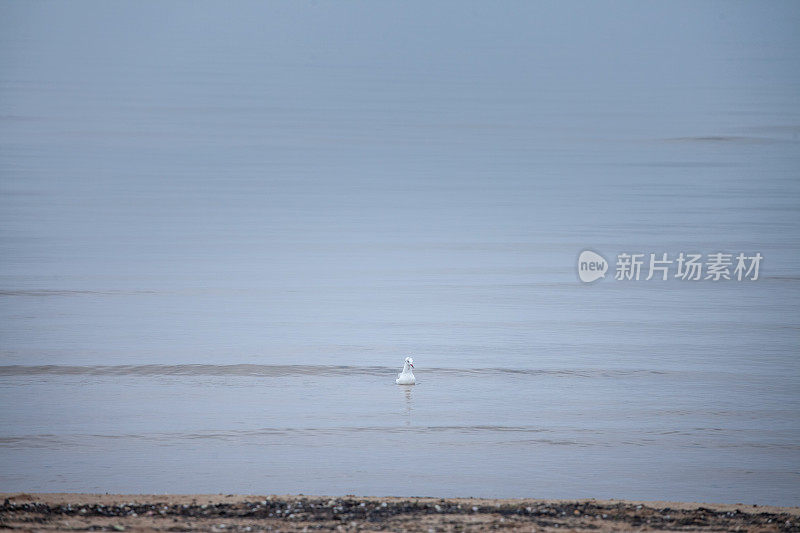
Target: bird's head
<point>410,362</point>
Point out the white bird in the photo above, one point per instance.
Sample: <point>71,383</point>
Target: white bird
<point>406,377</point>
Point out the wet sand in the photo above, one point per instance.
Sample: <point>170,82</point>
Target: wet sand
<point>97,512</point>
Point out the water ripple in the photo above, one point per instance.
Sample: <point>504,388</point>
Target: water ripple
<point>300,370</point>
<point>487,434</point>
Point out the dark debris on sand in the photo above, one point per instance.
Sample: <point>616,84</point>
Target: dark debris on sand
<point>298,513</point>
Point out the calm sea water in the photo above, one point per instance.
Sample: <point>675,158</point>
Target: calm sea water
<point>222,227</point>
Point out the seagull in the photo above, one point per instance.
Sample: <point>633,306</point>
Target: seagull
<point>406,377</point>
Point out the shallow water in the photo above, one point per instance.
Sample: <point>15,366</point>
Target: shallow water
<point>218,242</point>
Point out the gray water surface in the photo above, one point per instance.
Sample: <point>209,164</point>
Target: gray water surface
<point>222,227</point>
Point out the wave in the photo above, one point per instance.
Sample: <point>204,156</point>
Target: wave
<point>300,370</point>
<point>486,434</point>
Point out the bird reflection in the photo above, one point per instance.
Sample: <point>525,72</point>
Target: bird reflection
<point>409,405</point>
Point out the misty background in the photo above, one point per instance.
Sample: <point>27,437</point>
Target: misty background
<point>223,226</point>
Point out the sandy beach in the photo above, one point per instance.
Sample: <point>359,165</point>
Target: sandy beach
<point>98,512</point>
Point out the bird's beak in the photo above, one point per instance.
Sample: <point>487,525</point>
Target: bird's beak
<point>411,365</point>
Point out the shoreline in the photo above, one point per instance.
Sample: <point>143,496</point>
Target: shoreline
<point>247,513</point>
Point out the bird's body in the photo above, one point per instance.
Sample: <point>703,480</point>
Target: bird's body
<point>406,377</point>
